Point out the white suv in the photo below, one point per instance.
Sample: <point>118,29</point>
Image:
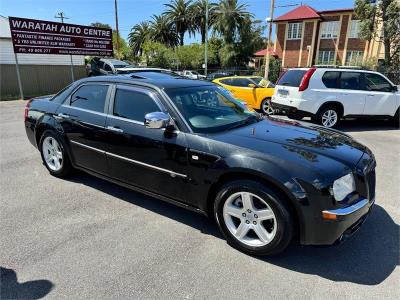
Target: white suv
<point>329,94</point>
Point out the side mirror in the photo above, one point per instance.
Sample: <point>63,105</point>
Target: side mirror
<point>395,88</point>
<point>157,120</point>
<point>252,85</point>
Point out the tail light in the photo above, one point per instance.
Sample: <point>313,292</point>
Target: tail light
<point>306,79</point>
<point>27,109</point>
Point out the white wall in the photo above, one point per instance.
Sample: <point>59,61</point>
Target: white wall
<point>7,52</point>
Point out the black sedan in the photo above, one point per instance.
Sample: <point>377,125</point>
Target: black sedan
<point>266,181</point>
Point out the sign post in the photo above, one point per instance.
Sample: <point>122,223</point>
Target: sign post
<point>21,91</point>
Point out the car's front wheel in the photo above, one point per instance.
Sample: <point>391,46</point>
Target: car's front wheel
<point>54,156</point>
<point>253,218</point>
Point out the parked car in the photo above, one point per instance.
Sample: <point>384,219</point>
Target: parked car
<point>101,66</point>
<point>265,181</point>
<point>216,75</point>
<point>255,90</point>
<point>191,74</point>
<point>330,94</point>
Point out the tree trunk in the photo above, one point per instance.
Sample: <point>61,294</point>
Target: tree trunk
<point>181,37</point>
<point>203,36</point>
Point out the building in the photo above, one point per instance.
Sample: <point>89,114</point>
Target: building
<point>41,74</point>
<point>306,37</point>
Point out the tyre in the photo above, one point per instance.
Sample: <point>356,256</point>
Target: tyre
<point>253,218</point>
<point>54,155</point>
<point>266,107</point>
<point>329,116</point>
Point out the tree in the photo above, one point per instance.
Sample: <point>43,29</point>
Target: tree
<point>199,9</point>
<point>100,25</point>
<point>156,54</point>
<point>180,13</point>
<point>229,18</point>
<point>139,34</point>
<point>162,31</point>
<point>381,22</point>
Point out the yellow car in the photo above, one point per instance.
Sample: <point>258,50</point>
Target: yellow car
<point>254,90</point>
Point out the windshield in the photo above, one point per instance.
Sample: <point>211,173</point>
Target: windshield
<point>210,109</point>
<point>261,81</point>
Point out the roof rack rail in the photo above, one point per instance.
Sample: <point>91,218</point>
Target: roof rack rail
<point>341,67</point>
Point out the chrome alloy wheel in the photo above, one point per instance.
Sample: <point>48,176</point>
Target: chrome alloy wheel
<point>329,118</point>
<point>52,153</point>
<point>249,219</point>
<point>267,107</point>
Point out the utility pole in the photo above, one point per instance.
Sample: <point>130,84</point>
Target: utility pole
<point>206,42</point>
<point>62,16</point>
<point>116,27</point>
<point>267,55</point>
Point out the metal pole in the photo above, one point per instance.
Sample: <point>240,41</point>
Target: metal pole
<point>116,27</point>
<point>206,42</point>
<point>62,17</point>
<point>271,17</point>
<point>21,92</point>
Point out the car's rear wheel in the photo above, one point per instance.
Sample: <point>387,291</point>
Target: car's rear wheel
<point>54,156</point>
<point>266,107</point>
<point>329,116</point>
<point>253,217</point>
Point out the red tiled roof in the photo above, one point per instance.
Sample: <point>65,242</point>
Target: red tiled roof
<point>299,13</point>
<point>264,51</point>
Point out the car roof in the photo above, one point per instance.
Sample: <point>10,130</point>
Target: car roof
<point>166,82</point>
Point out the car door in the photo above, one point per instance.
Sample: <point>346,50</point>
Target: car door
<point>83,119</point>
<point>380,96</point>
<point>151,159</point>
<point>351,93</point>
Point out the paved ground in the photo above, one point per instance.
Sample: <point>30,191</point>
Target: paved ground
<point>85,238</point>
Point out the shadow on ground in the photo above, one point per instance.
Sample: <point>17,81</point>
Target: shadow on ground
<point>367,258</point>
<point>12,289</point>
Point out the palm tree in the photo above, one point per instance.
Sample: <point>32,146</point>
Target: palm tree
<point>180,13</point>
<point>138,35</point>
<point>229,18</point>
<point>162,31</point>
<point>199,16</point>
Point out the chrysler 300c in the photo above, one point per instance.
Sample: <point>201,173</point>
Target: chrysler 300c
<point>265,181</point>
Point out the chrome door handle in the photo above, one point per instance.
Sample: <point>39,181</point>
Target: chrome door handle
<point>115,129</point>
<point>64,116</point>
<point>370,95</point>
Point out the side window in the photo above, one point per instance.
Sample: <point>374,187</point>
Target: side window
<point>350,81</point>
<point>226,81</point>
<point>331,79</point>
<point>107,67</point>
<point>374,82</point>
<point>240,82</point>
<point>91,97</point>
<point>133,105</point>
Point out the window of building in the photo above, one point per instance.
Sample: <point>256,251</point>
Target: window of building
<point>354,58</point>
<point>91,97</point>
<point>326,57</point>
<point>329,30</point>
<point>354,29</point>
<point>133,105</point>
<point>294,31</point>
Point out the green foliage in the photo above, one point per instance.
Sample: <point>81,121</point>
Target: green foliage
<point>274,69</point>
<point>381,22</point>
<point>156,54</point>
<point>139,34</point>
<point>180,14</point>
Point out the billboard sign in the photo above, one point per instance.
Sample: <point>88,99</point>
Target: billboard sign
<point>44,37</point>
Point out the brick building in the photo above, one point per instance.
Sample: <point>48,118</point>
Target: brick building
<point>306,37</point>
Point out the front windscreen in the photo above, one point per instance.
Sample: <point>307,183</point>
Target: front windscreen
<point>210,109</point>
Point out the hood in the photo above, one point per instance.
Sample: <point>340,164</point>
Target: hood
<point>297,137</point>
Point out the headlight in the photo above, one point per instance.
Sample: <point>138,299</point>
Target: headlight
<point>343,186</point>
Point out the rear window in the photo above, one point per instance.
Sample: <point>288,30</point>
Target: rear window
<point>292,78</point>
<point>331,79</point>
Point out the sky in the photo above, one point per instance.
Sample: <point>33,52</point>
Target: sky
<point>131,12</point>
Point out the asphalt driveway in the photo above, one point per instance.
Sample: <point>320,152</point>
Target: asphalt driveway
<point>85,238</point>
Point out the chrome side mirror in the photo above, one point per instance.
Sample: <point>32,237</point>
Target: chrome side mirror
<point>157,120</point>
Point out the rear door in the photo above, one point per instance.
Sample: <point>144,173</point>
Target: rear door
<point>83,119</point>
<point>380,97</point>
<point>351,93</point>
<point>151,159</point>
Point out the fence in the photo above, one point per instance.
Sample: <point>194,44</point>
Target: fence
<point>36,79</point>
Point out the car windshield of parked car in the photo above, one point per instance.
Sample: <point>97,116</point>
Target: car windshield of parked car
<point>261,81</point>
<point>209,109</point>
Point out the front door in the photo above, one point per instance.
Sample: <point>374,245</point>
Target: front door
<point>83,121</point>
<point>151,159</point>
<point>380,97</point>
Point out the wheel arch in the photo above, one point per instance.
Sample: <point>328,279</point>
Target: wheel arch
<point>332,103</point>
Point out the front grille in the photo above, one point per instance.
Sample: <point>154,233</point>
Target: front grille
<point>371,182</point>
